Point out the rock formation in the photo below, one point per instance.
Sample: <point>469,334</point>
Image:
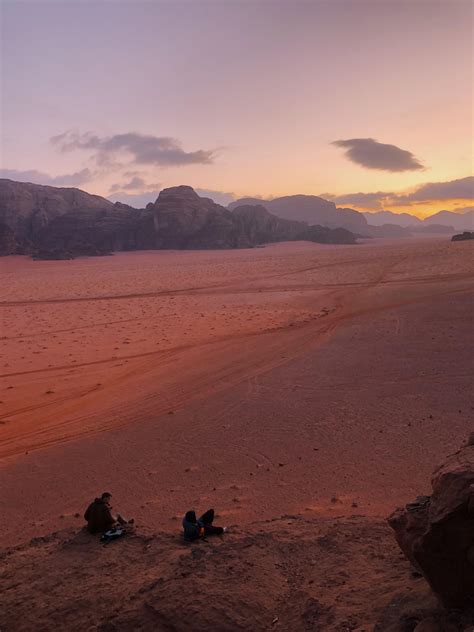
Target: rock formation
<point>437,533</point>
<point>311,209</point>
<point>466,235</point>
<point>27,208</point>
<point>460,221</point>
<point>405,220</point>
<point>8,242</point>
<point>62,223</point>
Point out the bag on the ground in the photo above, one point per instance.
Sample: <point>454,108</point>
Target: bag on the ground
<point>112,534</point>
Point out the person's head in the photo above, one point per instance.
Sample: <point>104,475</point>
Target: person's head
<point>190,517</point>
<point>106,496</point>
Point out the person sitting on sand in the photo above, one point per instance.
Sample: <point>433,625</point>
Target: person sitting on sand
<point>99,516</point>
<point>199,528</point>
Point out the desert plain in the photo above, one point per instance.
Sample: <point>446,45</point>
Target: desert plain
<point>319,383</point>
<point>291,378</point>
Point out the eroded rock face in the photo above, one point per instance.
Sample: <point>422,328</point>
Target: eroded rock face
<point>62,223</point>
<point>437,533</point>
<point>28,208</point>
<point>8,242</point>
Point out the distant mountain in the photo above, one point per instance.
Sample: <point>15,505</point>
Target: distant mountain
<point>440,229</point>
<point>435,223</point>
<point>388,217</point>
<point>311,209</point>
<point>459,221</point>
<point>55,223</point>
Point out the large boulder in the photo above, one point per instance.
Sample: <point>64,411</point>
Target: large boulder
<point>437,533</point>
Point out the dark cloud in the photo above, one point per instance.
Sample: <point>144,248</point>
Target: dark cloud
<point>38,177</point>
<point>145,149</point>
<point>461,189</point>
<point>371,154</point>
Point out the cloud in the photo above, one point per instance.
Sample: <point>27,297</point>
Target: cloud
<point>138,200</point>
<point>219,197</point>
<point>137,183</point>
<point>373,201</point>
<point>38,177</point>
<point>463,209</point>
<point>145,149</point>
<point>371,154</point>
<point>461,189</point>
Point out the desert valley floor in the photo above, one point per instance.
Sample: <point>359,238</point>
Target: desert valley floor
<point>296,379</point>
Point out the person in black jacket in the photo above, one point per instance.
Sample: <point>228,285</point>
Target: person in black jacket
<point>195,528</point>
<point>99,515</point>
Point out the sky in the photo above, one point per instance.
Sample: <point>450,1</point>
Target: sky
<point>365,102</point>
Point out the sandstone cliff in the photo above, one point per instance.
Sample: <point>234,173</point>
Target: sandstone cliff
<point>51,222</point>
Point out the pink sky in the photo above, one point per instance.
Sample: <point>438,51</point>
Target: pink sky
<point>252,94</point>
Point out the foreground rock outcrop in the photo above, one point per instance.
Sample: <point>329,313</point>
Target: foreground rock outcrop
<point>436,532</point>
<point>53,223</point>
<point>290,573</point>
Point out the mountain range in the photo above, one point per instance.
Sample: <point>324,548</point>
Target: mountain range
<point>316,210</point>
<point>52,222</point>
<point>458,221</point>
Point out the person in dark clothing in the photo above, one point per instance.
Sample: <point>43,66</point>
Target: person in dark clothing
<point>195,528</point>
<point>99,515</point>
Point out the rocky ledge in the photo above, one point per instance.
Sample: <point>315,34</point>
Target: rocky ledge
<point>436,533</point>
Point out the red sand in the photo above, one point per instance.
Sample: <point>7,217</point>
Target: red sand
<point>294,378</point>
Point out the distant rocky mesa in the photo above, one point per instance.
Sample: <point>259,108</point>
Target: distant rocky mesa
<point>60,223</point>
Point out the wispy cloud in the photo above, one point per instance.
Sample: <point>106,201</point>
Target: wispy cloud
<point>371,154</point>
<point>38,177</point>
<point>137,184</point>
<point>144,149</point>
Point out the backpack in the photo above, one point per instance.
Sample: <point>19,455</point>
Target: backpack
<point>112,534</point>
